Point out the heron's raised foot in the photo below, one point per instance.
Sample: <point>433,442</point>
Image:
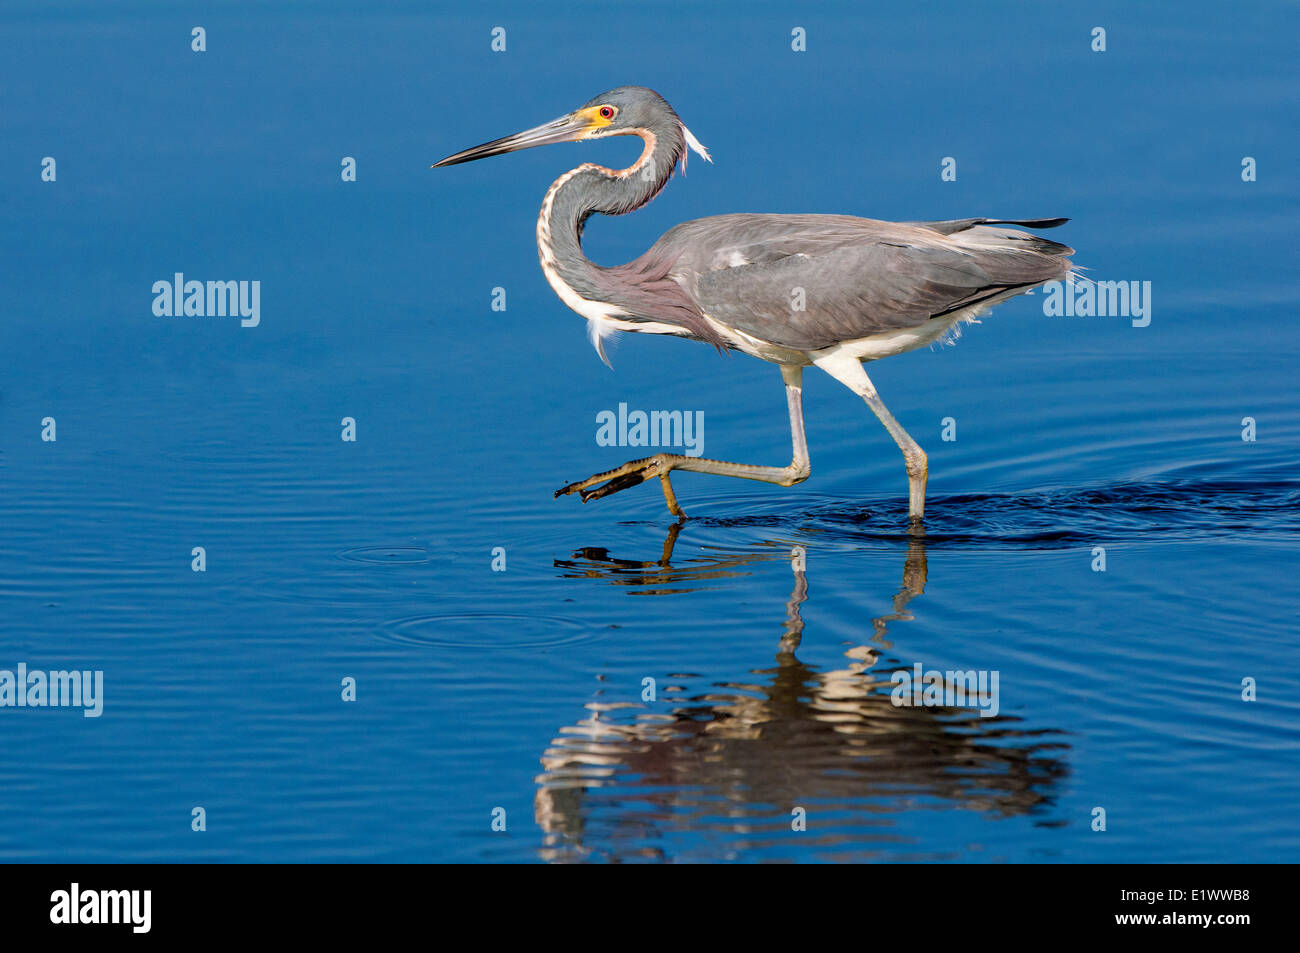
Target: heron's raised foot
<point>632,473</point>
<point>661,464</point>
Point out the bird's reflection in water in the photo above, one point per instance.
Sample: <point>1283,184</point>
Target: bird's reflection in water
<point>729,762</point>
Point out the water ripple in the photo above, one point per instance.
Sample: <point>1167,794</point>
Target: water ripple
<point>1177,510</point>
<point>484,630</point>
<point>385,555</point>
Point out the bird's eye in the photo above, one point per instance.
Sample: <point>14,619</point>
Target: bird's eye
<point>607,112</point>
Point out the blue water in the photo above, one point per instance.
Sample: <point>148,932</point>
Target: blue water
<point>772,621</point>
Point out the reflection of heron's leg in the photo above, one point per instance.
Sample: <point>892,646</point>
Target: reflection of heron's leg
<point>661,464</point>
<point>914,574</point>
<point>793,620</point>
<point>849,372</point>
<point>670,542</point>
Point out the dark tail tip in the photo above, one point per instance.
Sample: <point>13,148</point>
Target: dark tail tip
<point>1029,222</point>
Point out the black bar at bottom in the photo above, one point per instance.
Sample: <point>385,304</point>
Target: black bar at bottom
<point>333,903</point>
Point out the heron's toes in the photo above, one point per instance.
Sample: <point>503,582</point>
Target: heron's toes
<point>611,481</point>
<point>616,484</point>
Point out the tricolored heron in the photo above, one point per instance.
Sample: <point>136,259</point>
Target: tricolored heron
<point>832,291</point>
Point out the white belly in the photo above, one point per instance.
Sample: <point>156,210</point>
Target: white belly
<point>870,348</point>
<point>889,343</point>
<point>873,346</point>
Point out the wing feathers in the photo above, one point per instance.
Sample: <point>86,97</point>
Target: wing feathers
<point>853,277</point>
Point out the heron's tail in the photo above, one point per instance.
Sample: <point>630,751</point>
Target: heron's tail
<point>1023,223</point>
<point>986,233</point>
<point>972,232</point>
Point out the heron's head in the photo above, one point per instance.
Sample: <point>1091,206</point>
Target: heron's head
<point>625,111</point>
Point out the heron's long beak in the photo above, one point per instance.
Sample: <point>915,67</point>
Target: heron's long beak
<point>568,128</point>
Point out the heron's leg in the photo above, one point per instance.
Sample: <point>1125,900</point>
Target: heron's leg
<point>849,372</point>
<point>661,464</point>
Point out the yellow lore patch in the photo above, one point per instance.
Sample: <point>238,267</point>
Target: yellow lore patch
<point>594,119</point>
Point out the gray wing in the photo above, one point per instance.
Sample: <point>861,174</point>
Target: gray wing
<point>858,276</point>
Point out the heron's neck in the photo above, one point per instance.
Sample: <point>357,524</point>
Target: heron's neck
<point>578,194</point>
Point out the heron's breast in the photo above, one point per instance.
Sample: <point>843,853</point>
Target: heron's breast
<point>590,309</point>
